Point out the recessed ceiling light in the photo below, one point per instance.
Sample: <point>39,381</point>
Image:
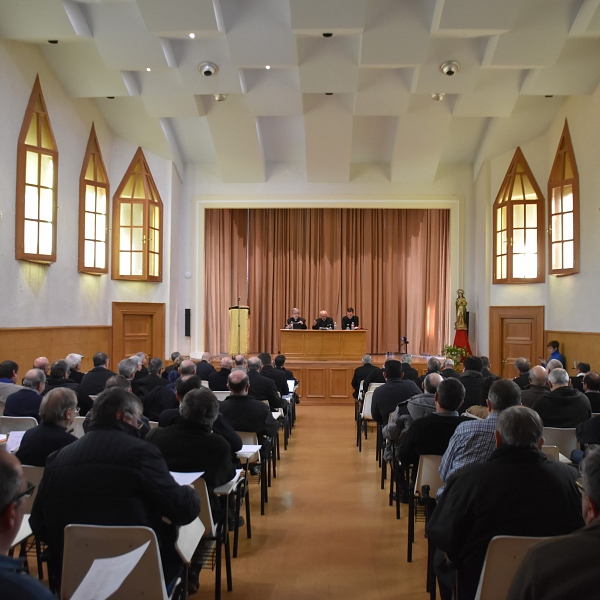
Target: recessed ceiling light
<point>327,34</point>
<point>438,96</point>
<point>220,97</point>
<point>548,96</point>
<point>53,41</point>
<point>267,67</point>
<point>148,69</point>
<point>192,35</point>
<point>110,97</point>
<point>329,93</point>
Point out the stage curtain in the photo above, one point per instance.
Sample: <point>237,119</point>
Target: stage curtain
<point>390,265</point>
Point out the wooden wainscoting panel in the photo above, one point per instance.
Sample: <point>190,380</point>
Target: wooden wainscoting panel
<point>25,344</point>
<point>576,346</point>
<point>316,382</point>
<point>339,382</point>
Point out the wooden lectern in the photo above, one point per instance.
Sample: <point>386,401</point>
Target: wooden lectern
<point>239,329</point>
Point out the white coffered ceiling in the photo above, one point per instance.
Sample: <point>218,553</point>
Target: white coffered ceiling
<point>327,105</point>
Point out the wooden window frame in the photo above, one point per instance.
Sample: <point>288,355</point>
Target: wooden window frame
<point>22,149</point>
<point>504,199</point>
<point>556,180</point>
<point>92,149</point>
<point>147,203</point>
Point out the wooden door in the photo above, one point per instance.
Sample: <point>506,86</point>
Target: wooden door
<point>515,331</point>
<point>137,327</point>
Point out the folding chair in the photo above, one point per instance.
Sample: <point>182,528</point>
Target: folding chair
<point>8,424</point>
<point>564,438</point>
<point>250,438</point>
<point>364,417</point>
<point>85,543</point>
<point>34,474</point>
<point>502,559</point>
<point>221,395</point>
<point>78,430</point>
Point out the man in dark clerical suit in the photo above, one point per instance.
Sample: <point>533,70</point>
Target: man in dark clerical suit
<point>323,322</point>
<point>154,379</point>
<point>204,368</point>
<point>538,386</point>
<point>448,369</point>
<point>74,362</point>
<point>277,376</point>
<point>362,372</point>
<point>263,388</point>
<point>522,366</point>
<point>395,390</point>
<point>350,321</point>
<point>280,366</point>
<point>59,378</point>
<point>26,401</point>
<point>217,381</point>
<point>94,381</point>
<point>173,367</point>
<point>295,321</point>
<point>407,368</point>
<point>577,380</point>
<point>562,406</point>
<point>591,388</point>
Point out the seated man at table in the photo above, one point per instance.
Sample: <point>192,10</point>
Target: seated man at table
<point>57,413</point>
<point>112,477</point>
<point>323,322</point>
<point>295,321</point>
<point>350,321</point>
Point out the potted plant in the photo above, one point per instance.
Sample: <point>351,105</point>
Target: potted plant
<point>456,353</point>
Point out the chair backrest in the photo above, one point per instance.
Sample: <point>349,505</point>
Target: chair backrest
<point>366,409</point>
<point>427,473</point>
<point>551,452</point>
<point>221,395</point>
<point>153,424</point>
<point>210,527</point>
<point>188,538</point>
<point>360,389</point>
<point>78,430</point>
<point>85,543</point>
<point>595,414</point>
<point>33,474</point>
<point>372,386</point>
<point>504,555</point>
<point>249,438</point>
<point>8,424</point>
<point>565,439</point>
<point>205,383</point>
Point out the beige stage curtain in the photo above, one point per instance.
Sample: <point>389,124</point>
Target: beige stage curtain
<point>390,265</point>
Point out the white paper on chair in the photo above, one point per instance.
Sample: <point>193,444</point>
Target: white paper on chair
<point>14,440</point>
<point>249,448</point>
<point>106,575</point>
<point>186,478</point>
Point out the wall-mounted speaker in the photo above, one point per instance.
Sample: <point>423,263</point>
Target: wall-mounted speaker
<point>188,322</point>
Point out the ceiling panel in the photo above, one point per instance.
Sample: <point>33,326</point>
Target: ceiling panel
<point>283,139</point>
<point>373,139</point>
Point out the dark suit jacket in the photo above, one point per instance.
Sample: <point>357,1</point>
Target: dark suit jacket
<point>40,442</point>
<point>360,373</point>
<point>76,376</point>
<point>217,381</point>
<point>374,376</point>
<point>158,400</point>
<point>147,384</point>
<point>531,394</point>
<point>204,369</point>
<point>594,398</point>
<point>347,323</point>
<point>142,373</point>
<point>84,402</point>
<point>588,432</point>
<point>247,414</point>
<point>94,381</point>
<point>24,403</point>
<point>278,377</point>
<point>263,388</point>
<point>563,407</point>
<point>522,380</point>
<point>410,372</point>
<point>445,373</point>
<point>328,322</point>
<point>473,382</point>
<point>577,383</point>
<point>386,397</point>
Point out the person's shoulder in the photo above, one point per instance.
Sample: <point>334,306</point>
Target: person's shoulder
<point>22,587</point>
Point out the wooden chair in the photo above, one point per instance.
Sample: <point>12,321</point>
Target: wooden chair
<point>564,438</point>
<point>503,557</point>
<point>551,452</point>
<point>8,424</point>
<point>85,543</point>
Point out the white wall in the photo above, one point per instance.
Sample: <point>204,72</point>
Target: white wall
<point>55,295</point>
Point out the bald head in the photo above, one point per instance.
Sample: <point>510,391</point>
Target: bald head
<point>42,363</point>
<point>187,367</point>
<point>538,376</point>
<point>431,382</point>
<point>238,382</point>
<point>254,363</point>
<point>226,363</point>
<point>35,379</point>
<point>323,314</point>
<point>240,360</point>
<point>206,356</point>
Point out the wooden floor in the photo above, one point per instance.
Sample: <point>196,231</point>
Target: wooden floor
<point>328,531</point>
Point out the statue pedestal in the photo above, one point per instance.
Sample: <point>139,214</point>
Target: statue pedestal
<point>461,340</point>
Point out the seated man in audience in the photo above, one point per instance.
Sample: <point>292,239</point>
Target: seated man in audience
<point>424,404</point>
<point>57,413</point>
<point>407,368</point>
<point>186,367</point>
<point>497,498</point>
<point>74,362</point>
<point>43,364</point>
<point>562,406</point>
<point>448,369</point>
<point>244,413</point>
<point>240,361</point>
<point>263,388</point>
<point>361,373</point>
<point>154,379</point>
<point>277,376</point>
<point>472,379</point>
<point>431,434</point>
<point>111,477</point>
<point>323,322</point>
<point>59,378</point>
<point>522,366</point>
<point>143,369</point>
<point>395,390</point>
<point>375,375</point>
<point>433,366</point>
<point>93,381</point>
<point>218,380</point>
<point>171,367</point>
<point>26,402</point>
<point>591,388</point>
<point>15,585</point>
<point>538,386</point>
<point>553,364</point>
<point>9,372</point>
<point>474,441</point>
<point>485,371</point>
<point>566,566</point>
<point>280,366</point>
<point>127,368</point>
<point>204,368</point>
<point>577,380</point>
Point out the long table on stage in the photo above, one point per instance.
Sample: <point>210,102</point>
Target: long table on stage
<point>324,362</point>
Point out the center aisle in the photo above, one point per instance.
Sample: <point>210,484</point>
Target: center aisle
<point>328,531</point>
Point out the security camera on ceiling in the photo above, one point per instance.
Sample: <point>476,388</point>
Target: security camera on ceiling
<point>450,68</point>
<point>207,69</point>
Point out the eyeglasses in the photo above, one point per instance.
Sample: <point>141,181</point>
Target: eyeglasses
<point>138,422</point>
<point>27,493</point>
<point>579,484</point>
